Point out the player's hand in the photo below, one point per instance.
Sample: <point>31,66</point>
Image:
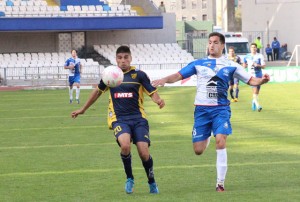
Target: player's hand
<point>74,114</point>
<point>158,82</point>
<point>160,103</point>
<point>266,78</point>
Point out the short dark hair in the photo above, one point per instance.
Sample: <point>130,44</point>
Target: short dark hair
<point>253,44</point>
<point>221,36</point>
<point>123,49</point>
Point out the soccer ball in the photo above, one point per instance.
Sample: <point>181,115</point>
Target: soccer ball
<point>112,76</point>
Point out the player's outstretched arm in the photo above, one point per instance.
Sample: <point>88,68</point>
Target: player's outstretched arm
<point>156,98</point>
<point>259,81</point>
<point>169,79</point>
<point>93,97</point>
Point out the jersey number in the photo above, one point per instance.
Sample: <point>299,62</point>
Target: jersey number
<point>117,129</point>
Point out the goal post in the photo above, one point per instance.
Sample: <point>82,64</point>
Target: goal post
<point>295,56</point>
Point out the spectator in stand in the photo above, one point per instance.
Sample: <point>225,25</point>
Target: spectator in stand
<point>9,3</point>
<point>258,44</point>
<point>162,7</point>
<point>269,52</point>
<point>275,47</point>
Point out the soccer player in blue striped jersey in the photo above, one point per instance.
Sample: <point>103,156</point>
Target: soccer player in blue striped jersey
<point>127,117</point>
<point>75,68</point>
<point>255,62</point>
<point>212,110</point>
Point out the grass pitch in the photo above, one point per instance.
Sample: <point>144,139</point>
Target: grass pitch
<point>47,156</point>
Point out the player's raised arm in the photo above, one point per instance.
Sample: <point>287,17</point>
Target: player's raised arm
<point>93,97</point>
<point>169,79</point>
<point>254,81</point>
<point>156,98</point>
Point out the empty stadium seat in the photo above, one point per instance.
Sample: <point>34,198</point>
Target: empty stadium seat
<point>43,65</point>
<point>149,54</point>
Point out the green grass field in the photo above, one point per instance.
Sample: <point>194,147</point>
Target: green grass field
<point>47,156</point>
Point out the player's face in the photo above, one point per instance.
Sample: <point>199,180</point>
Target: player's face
<point>215,47</point>
<point>253,49</point>
<point>123,61</point>
<point>231,52</point>
<point>74,54</point>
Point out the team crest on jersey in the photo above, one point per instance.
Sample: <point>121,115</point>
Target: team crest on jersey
<point>226,72</point>
<point>133,76</point>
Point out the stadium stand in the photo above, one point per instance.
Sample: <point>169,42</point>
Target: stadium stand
<point>149,53</point>
<point>35,33</point>
<point>151,58</point>
<point>44,66</point>
<point>40,8</point>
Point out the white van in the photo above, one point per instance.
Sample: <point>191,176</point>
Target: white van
<point>240,44</point>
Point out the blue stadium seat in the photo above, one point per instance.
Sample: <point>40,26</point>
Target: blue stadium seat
<point>63,8</point>
<point>106,8</point>
<point>9,3</point>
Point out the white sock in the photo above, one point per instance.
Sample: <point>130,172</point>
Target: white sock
<point>71,93</point>
<point>221,165</point>
<point>208,141</point>
<point>77,93</point>
<point>255,99</point>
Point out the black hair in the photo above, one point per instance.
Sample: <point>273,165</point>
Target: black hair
<point>221,36</point>
<point>123,49</point>
<point>253,44</point>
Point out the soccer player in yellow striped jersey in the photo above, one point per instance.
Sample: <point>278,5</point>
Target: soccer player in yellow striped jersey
<point>126,116</point>
<point>234,83</point>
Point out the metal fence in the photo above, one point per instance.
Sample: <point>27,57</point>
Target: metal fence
<point>197,45</point>
<point>43,76</point>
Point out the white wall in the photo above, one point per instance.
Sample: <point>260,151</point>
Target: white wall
<point>165,35</point>
<point>28,42</point>
<point>282,17</point>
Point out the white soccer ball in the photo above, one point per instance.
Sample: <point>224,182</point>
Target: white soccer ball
<point>112,76</point>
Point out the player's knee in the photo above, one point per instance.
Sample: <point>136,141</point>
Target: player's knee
<point>144,156</point>
<point>220,144</point>
<point>125,148</point>
<point>199,151</point>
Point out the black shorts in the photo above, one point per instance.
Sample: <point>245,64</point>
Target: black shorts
<point>137,128</point>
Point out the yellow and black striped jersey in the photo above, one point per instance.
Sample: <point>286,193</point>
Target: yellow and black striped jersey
<point>126,101</point>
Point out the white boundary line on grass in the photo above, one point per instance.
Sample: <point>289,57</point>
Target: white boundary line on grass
<point>139,168</point>
<point>79,145</point>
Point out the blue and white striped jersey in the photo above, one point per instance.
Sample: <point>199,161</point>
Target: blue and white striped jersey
<point>76,63</point>
<point>213,76</point>
<point>258,59</point>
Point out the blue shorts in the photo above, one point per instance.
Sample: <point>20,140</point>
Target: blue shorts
<point>209,119</point>
<point>74,79</point>
<point>137,128</point>
<point>234,81</point>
